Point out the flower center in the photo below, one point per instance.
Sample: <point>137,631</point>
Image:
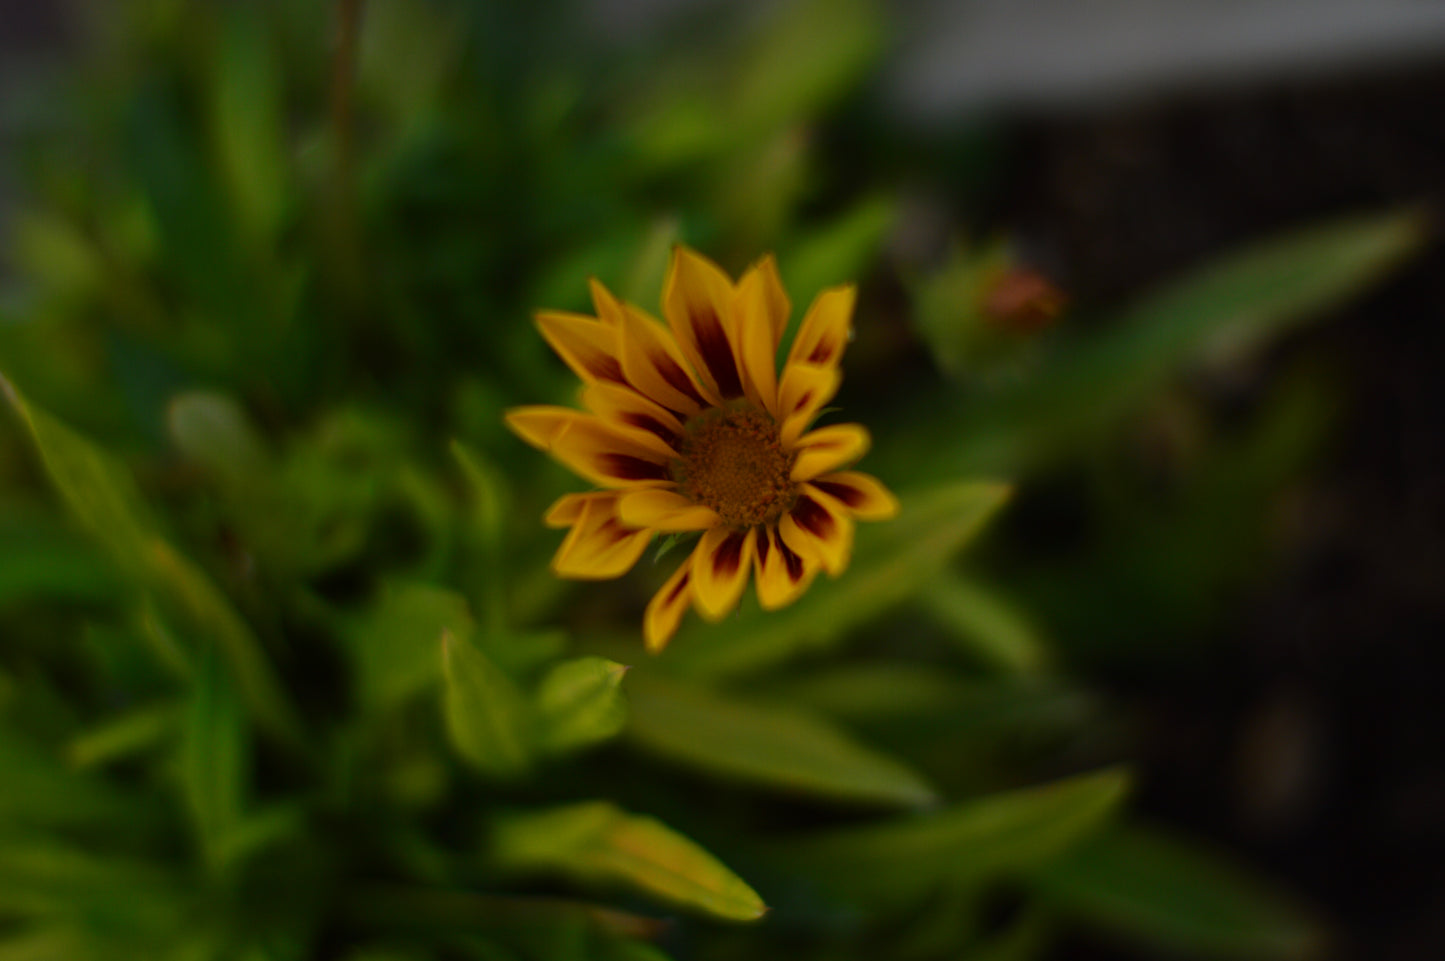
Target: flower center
<point>733,462</point>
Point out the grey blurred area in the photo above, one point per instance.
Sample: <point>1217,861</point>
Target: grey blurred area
<point>960,57</point>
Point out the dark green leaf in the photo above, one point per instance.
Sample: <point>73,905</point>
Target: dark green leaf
<point>102,495</point>
<point>1242,298</point>
<point>1176,896</point>
<point>778,747</point>
<point>903,860</point>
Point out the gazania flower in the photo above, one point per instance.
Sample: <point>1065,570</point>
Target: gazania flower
<point>689,428</point>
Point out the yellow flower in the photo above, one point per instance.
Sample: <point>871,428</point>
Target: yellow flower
<point>689,427</point>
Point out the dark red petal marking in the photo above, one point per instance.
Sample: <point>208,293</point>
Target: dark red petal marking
<point>653,426</point>
<point>613,532</point>
<point>813,517</point>
<point>676,377</point>
<point>824,352</point>
<point>604,367</point>
<point>677,588</point>
<point>729,555</point>
<point>627,467</point>
<point>764,543</point>
<point>791,561</point>
<point>717,354</point>
<point>846,493</point>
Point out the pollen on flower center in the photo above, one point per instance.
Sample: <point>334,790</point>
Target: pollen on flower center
<point>733,461</point>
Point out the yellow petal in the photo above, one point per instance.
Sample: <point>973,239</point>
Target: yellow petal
<point>860,493</point>
<point>652,362</point>
<point>609,309</point>
<point>586,344</point>
<point>782,574</point>
<point>541,425</point>
<point>827,449</point>
<point>754,309</point>
<point>804,391</point>
<point>665,610</point>
<point>778,304</point>
<point>567,509</point>
<point>825,329</point>
<point>608,457</point>
<point>599,546</point>
<point>720,567</point>
<point>697,300</point>
<point>665,510</point>
<point>623,406</point>
<point>820,529</point>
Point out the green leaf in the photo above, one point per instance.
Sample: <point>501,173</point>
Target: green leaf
<point>59,942</point>
<point>103,497</point>
<point>904,860</point>
<point>580,703</point>
<point>836,253</point>
<point>1241,299</point>
<point>777,747</point>
<point>1173,895</point>
<point>396,657</point>
<point>249,123</point>
<point>490,498</point>
<point>214,759</point>
<point>489,721</point>
<point>39,790</point>
<point>891,562</point>
<point>123,736</point>
<point>595,842</point>
<point>985,624</point>
<point>797,68</point>
<point>43,877</point>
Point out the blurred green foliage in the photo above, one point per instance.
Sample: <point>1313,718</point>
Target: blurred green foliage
<point>284,674</point>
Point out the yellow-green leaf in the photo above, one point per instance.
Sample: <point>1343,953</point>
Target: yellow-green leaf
<point>891,562</point>
<point>778,747</point>
<point>596,843</point>
<point>489,722</point>
<point>904,860</point>
<point>580,702</point>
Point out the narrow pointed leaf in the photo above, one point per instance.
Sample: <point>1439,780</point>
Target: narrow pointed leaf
<point>783,748</point>
<point>595,842</point>
<point>213,759</point>
<point>1176,897</point>
<point>1240,299</point>
<point>102,495</point>
<point>904,860</point>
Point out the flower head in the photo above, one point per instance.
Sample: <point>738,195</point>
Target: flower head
<point>689,428</point>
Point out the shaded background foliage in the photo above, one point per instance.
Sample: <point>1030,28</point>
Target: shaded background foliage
<point>284,674</point>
